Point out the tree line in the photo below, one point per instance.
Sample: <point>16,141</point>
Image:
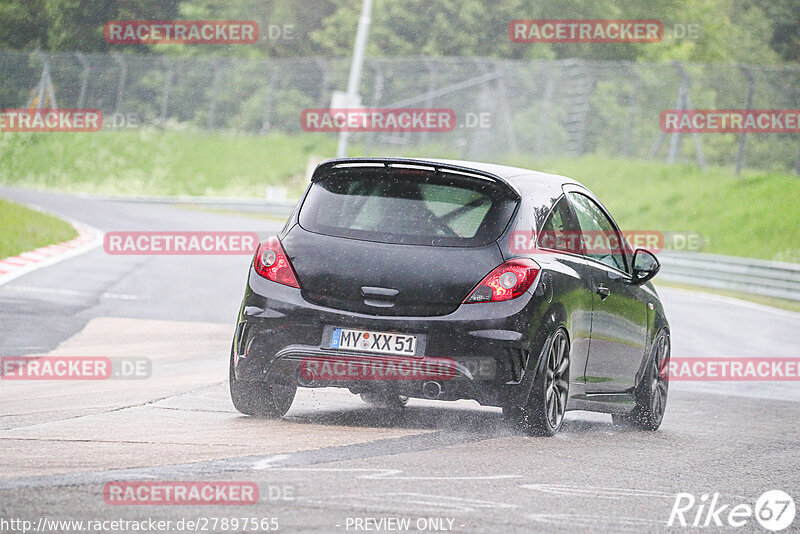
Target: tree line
<point>714,31</point>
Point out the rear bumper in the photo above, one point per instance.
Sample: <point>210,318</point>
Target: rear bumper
<point>487,347</point>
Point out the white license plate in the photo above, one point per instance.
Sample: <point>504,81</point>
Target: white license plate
<point>378,342</point>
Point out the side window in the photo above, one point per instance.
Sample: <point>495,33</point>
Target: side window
<point>600,239</point>
<point>560,231</point>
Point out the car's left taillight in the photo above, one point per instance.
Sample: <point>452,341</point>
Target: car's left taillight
<point>272,263</point>
<point>507,281</point>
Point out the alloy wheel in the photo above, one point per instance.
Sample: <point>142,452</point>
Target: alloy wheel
<point>557,380</point>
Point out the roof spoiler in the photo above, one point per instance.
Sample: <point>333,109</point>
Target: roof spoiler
<point>406,163</point>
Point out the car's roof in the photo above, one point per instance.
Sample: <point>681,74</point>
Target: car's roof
<point>515,175</point>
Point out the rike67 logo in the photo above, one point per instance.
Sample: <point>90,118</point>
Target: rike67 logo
<point>774,511</point>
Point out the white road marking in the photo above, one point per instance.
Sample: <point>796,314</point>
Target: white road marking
<point>599,492</point>
<point>69,292</point>
<point>267,462</point>
<point>387,474</point>
<point>602,492</point>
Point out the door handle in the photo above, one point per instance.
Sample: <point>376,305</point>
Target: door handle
<point>603,291</point>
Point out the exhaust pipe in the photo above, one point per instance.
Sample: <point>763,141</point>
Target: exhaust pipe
<point>431,389</point>
<point>305,377</point>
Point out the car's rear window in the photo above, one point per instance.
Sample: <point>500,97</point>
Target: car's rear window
<point>407,206</point>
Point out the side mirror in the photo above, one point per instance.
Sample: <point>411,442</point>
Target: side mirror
<point>645,266</point>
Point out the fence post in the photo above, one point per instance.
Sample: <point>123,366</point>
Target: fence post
<point>45,85</point>
<point>675,138</point>
<point>797,164</point>
<point>123,77</point>
<point>684,102</point>
<point>748,105</point>
<point>429,100</point>
<point>377,94</point>
<point>633,105</point>
<point>265,123</point>
<point>325,87</point>
<point>579,94</point>
<point>796,95</point>
<point>544,113</point>
<point>511,133</point>
<point>84,78</point>
<point>167,86</point>
<point>212,107</point>
<point>475,142</point>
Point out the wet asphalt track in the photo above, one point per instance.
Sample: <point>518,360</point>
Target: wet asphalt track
<point>333,460</point>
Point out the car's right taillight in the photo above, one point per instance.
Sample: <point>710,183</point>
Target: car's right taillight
<point>507,281</point>
<point>272,263</point>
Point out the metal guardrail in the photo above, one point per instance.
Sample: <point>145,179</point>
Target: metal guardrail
<point>758,277</point>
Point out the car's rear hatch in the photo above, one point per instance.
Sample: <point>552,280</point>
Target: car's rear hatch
<point>394,238</point>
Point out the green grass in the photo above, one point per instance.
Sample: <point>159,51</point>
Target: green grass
<point>23,229</point>
<point>754,215</point>
<point>156,162</point>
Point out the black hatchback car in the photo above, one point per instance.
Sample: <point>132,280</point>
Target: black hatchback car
<point>448,280</point>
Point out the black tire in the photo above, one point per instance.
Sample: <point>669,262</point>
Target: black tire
<point>262,399</point>
<point>651,393</point>
<point>543,413</point>
<point>385,400</point>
